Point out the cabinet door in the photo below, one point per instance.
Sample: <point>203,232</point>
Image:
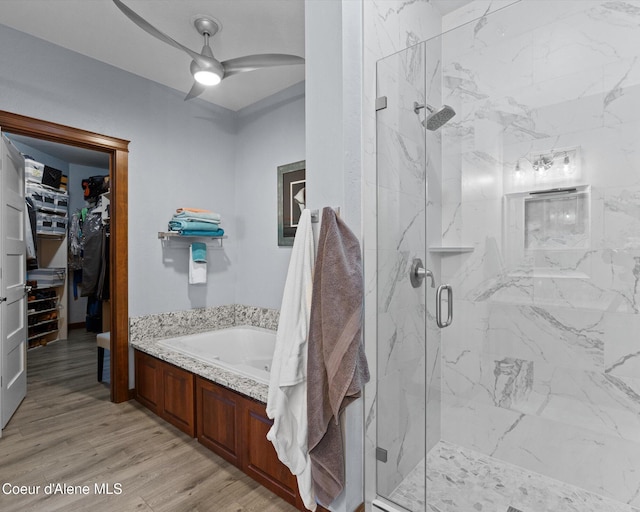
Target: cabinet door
<point>260,459</point>
<point>148,375</point>
<point>177,398</point>
<point>218,411</point>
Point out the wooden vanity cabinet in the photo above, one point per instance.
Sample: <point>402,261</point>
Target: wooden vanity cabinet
<point>235,427</point>
<point>166,390</point>
<point>230,424</point>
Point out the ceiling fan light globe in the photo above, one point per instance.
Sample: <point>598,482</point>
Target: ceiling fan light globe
<point>206,77</point>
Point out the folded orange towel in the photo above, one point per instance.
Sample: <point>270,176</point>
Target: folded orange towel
<point>194,210</point>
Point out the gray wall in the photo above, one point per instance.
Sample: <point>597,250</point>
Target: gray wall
<point>181,154</point>
<point>270,133</point>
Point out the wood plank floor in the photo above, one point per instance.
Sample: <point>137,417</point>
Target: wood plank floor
<point>67,432</point>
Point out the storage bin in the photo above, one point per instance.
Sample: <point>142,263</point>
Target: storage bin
<point>51,224</point>
<point>59,225</point>
<point>44,223</point>
<point>43,199</point>
<point>51,177</point>
<point>60,203</point>
<point>33,170</point>
<point>48,277</point>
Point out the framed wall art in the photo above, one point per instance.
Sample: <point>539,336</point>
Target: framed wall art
<point>291,200</point>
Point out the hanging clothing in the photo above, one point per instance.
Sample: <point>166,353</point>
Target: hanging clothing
<point>92,237</point>
<point>287,399</point>
<point>30,236</point>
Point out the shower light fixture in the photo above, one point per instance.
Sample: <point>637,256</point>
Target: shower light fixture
<point>561,162</point>
<point>543,163</point>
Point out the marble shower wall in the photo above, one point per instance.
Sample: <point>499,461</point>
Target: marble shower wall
<point>540,367</point>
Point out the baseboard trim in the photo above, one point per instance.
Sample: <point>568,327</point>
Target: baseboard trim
<point>359,508</point>
<point>77,325</point>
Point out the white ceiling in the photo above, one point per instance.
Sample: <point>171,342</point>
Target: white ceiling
<point>64,152</point>
<point>97,28</point>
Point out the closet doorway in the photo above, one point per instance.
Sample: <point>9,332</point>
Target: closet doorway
<point>117,149</point>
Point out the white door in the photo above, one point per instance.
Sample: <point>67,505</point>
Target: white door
<point>13,305</point>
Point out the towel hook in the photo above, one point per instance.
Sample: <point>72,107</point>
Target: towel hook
<point>315,214</point>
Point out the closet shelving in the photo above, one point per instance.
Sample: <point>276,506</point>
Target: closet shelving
<point>46,317</point>
<point>46,314</point>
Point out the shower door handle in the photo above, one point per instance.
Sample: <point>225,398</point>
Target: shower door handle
<point>449,319</point>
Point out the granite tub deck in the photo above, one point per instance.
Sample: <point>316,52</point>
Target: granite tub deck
<point>464,480</point>
<point>245,385</point>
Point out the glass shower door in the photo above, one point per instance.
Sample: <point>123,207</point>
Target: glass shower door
<point>407,349</point>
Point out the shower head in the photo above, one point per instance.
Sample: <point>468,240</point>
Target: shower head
<point>439,117</point>
<point>435,118</point>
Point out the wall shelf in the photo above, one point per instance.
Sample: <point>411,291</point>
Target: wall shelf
<point>451,249</point>
<point>174,235</point>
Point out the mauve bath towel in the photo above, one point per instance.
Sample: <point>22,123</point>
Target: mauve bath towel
<point>336,367</point>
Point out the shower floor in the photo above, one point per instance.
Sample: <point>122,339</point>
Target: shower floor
<point>463,480</point>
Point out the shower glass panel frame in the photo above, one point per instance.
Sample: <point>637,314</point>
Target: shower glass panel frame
<point>408,382</point>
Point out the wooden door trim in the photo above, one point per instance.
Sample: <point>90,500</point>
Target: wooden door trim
<point>118,149</point>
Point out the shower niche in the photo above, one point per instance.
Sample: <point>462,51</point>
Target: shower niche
<point>547,229</point>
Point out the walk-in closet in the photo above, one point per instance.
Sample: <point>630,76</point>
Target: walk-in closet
<point>67,238</point>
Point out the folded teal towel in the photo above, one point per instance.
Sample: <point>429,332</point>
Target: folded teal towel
<point>211,217</point>
<point>195,217</point>
<point>199,252</point>
<point>179,225</point>
<point>201,232</point>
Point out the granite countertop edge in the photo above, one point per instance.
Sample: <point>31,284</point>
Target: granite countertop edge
<point>244,385</point>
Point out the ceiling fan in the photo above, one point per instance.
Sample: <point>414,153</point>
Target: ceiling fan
<point>205,68</point>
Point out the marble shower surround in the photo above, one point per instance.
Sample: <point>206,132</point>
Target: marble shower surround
<point>543,372</point>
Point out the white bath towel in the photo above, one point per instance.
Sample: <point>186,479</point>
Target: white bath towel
<point>287,399</point>
<point>197,270</point>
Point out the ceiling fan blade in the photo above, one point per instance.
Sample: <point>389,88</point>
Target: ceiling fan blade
<point>252,62</point>
<point>196,90</point>
<point>147,27</point>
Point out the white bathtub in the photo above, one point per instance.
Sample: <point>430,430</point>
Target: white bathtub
<point>245,350</point>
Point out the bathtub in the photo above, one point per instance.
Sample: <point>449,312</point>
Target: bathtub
<point>244,350</point>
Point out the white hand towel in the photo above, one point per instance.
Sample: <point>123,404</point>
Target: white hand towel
<point>197,270</point>
<point>287,398</point>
